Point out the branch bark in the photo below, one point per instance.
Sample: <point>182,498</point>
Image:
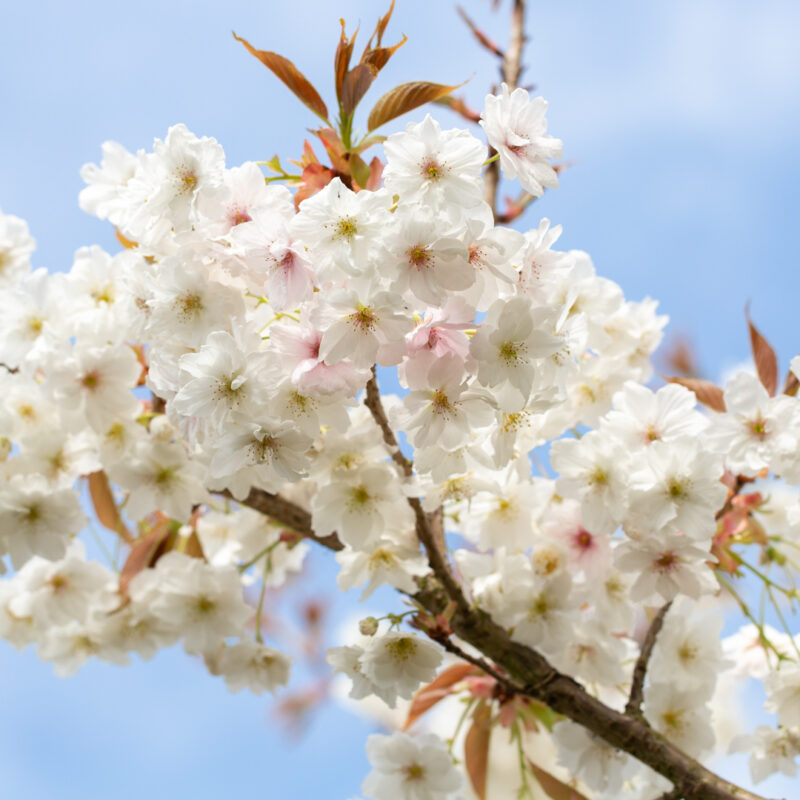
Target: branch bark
<point>510,70</point>
<point>530,673</point>
<point>426,530</point>
<point>522,669</point>
<point>634,706</point>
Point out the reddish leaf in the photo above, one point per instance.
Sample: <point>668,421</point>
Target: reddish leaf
<point>286,71</point>
<point>706,392</point>
<point>379,56</point>
<point>765,358</point>
<point>104,505</point>
<point>555,788</point>
<point>380,29</point>
<point>476,748</point>
<point>375,173</point>
<point>334,148</point>
<point>460,107</point>
<point>315,178</point>
<point>193,547</point>
<point>341,60</point>
<point>442,685</point>
<point>355,86</point>
<point>144,554</point>
<point>403,98</point>
<point>791,385</point>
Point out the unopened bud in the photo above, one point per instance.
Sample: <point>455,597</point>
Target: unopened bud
<point>368,626</point>
<point>162,429</point>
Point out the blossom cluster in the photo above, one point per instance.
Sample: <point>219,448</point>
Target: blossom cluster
<point>257,325</point>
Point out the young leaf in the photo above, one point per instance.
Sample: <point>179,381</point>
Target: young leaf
<point>441,686</point>
<point>355,86</point>
<point>104,505</point>
<point>706,392</point>
<point>359,170</point>
<point>274,165</point>
<point>403,98</point>
<point>765,358</point>
<point>334,148</point>
<point>791,385</point>
<point>367,142</point>
<point>375,173</point>
<point>380,29</point>
<point>556,789</point>
<point>286,71</point>
<point>458,105</point>
<point>379,56</point>
<point>341,60</point>
<point>476,748</point>
<point>144,554</point>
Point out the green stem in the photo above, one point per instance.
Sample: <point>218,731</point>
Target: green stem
<point>765,641</point>
<point>765,578</point>
<point>491,160</point>
<point>783,621</point>
<point>468,704</point>
<point>284,177</point>
<point>260,608</point>
<point>268,549</point>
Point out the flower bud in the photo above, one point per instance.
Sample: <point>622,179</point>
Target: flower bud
<point>368,626</point>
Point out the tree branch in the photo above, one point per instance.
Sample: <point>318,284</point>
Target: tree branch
<point>287,513</point>
<point>425,530</point>
<point>634,705</point>
<point>529,673</point>
<point>511,69</point>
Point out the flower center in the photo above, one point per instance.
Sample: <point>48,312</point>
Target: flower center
<point>364,318</point>
<point>401,649</point>
<point>419,256</point>
<point>346,228</point>
<point>91,380</point>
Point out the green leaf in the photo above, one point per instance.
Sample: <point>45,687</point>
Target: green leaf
<point>359,169</point>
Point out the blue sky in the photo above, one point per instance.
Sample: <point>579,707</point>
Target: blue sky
<point>682,119</point>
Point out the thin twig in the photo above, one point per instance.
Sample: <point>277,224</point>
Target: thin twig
<point>528,668</point>
<point>480,663</point>
<point>488,43</point>
<point>511,69</point>
<point>287,513</point>
<point>425,531</point>
<point>634,705</point>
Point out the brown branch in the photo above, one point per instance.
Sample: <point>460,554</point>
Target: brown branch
<point>425,530</point>
<point>529,673</point>
<point>488,43</point>
<point>524,670</point>
<point>372,400</point>
<point>529,669</point>
<point>288,514</point>
<point>634,705</point>
<point>480,663</point>
<point>511,70</point>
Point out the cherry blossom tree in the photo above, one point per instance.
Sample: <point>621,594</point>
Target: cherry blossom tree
<point>562,532</point>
